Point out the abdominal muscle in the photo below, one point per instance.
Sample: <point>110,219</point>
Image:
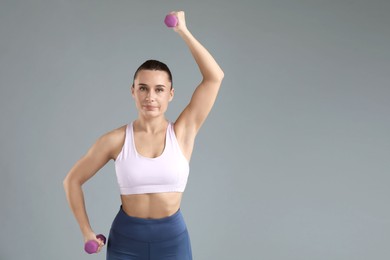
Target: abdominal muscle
<point>151,205</point>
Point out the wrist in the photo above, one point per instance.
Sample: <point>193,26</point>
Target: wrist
<point>86,231</point>
<point>183,32</point>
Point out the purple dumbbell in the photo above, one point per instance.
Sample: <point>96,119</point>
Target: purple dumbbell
<point>92,246</point>
<point>170,20</point>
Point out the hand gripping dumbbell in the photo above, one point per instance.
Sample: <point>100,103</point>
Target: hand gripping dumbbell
<point>92,246</point>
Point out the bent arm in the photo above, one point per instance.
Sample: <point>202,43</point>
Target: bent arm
<point>86,167</point>
<point>206,92</point>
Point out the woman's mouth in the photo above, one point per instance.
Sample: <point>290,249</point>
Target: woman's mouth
<point>148,107</point>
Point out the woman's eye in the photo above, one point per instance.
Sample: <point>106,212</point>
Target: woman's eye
<point>159,90</point>
<point>142,88</point>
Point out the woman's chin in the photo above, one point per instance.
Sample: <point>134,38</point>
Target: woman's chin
<point>151,114</point>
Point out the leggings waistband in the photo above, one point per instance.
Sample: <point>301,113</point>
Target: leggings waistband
<point>148,230</point>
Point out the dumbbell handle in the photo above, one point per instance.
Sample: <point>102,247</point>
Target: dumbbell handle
<point>92,246</point>
<point>170,20</point>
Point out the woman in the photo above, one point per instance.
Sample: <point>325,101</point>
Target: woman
<point>151,158</point>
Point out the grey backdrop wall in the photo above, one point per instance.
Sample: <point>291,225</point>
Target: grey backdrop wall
<point>292,163</point>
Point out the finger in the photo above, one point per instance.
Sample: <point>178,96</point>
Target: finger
<point>100,247</point>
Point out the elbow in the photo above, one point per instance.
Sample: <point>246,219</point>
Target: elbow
<point>218,77</point>
<point>214,77</point>
<point>69,182</point>
<point>222,75</point>
<point>65,183</point>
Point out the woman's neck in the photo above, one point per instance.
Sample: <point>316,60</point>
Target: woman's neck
<point>152,125</point>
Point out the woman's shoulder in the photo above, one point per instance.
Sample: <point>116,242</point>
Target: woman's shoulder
<point>116,133</point>
<point>115,139</point>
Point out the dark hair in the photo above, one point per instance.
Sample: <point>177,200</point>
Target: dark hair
<point>154,65</point>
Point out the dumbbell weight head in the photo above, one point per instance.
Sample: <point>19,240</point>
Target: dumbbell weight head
<point>170,20</point>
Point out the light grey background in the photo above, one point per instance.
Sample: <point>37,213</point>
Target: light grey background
<point>292,163</point>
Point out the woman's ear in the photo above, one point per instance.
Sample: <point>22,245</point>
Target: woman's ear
<point>132,90</point>
<point>171,94</point>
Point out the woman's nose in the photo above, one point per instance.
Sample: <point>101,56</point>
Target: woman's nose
<point>150,95</point>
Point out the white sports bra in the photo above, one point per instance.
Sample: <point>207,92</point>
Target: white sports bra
<point>137,174</point>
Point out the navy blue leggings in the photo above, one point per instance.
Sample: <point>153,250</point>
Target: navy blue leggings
<point>133,238</point>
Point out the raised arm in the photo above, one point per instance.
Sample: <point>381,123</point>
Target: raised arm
<point>203,98</point>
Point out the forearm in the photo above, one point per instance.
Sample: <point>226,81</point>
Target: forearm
<point>208,67</point>
<point>75,197</point>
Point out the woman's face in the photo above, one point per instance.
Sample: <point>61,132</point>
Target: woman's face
<point>152,92</point>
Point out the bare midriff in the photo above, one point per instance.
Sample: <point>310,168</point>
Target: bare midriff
<point>151,205</point>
